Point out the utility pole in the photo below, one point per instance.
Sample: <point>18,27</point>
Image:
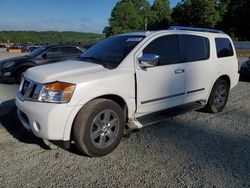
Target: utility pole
<point>146,24</point>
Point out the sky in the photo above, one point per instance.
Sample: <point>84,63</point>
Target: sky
<point>57,15</point>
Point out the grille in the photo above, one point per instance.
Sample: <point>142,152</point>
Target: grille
<point>29,90</point>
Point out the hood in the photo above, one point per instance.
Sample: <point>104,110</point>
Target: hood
<point>61,70</point>
<point>14,59</point>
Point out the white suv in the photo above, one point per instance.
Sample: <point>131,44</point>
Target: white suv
<point>127,81</point>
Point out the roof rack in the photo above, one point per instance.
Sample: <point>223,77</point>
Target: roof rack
<point>195,29</point>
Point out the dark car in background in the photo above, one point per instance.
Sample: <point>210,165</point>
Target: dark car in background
<point>245,70</point>
<point>32,48</point>
<point>12,69</point>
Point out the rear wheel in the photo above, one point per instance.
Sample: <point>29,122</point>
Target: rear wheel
<point>218,97</point>
<point>99,127</point>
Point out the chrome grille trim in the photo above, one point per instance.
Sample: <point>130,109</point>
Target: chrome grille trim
<point>31,93</point>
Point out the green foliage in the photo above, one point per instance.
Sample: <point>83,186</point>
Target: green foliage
<point>48,37</point>
<point>200,13</point>
<point>236,19</point>
<point>160,17</point>
<point>124,18</point>
<point>132,15</point>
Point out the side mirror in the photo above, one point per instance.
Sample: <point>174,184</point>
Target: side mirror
<point>45,56</point>
<point>149,60</point>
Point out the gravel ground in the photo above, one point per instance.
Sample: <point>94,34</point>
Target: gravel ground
<point>192,150</point>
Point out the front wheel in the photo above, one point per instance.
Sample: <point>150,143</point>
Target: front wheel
<point>99,127</point>
<point>218,97</point>
<point>18,74</point>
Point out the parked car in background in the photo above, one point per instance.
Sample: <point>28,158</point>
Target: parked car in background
<point>2,46</point>
<point>20,47</point>
<point>245,70</point>
<point>130,80</point>
<point>32,48</point>
<point>12,69</point>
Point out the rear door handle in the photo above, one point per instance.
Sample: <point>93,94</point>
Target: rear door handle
<point>179,71</point>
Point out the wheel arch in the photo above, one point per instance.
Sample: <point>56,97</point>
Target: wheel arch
<point>70,122</point>
<point>119,100</point>
<point>21,66</point>
<point>225,77</point>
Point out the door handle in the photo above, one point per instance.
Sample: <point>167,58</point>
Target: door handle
<point>179,71</point>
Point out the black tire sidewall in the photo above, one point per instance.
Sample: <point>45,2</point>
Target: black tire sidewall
<point>83,124</point>
<point>211,106</point>
<point>18,74</point>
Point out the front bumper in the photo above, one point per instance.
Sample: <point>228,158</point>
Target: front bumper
<point>6,77</point>
<point>45,120</point>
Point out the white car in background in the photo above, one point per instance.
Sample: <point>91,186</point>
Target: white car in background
<point>127,81</point>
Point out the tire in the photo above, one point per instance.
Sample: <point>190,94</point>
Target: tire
<point>18,74</point>
<point>218,97</point>
<point>95,136</point>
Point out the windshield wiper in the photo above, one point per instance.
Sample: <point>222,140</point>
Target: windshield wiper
<point>91,58</point>
<point>96,60</point>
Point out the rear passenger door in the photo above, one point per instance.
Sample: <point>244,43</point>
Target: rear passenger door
<point>70,52</point>
<point>54,54</point>
<point>199,68</point>
<point>163,86</point>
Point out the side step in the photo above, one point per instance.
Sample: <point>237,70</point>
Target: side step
<point>164,114</point>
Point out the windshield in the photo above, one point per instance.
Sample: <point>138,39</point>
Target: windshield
<point>111,51</point>
<point>36,52</point>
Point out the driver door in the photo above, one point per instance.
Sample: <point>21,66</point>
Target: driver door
<point>163,86</point>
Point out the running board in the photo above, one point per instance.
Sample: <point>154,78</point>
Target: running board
<point>160,116</point>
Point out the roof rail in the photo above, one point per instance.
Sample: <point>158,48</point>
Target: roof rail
<point>195,29</point>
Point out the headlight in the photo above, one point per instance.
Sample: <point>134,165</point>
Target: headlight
<point>8,64</point>
<point>57,92</point>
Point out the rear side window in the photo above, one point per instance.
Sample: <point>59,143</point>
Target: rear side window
<point>224,47</point>
<point>54,52</point>
<point>194,48</point>
<point>70,51</point>
<point>166,47</point>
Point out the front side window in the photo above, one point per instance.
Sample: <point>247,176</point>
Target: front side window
<point>37,52</point>
<point>194,48</point>
<point>111,51</point>
<point>166,47</point>
<point>224,47</point>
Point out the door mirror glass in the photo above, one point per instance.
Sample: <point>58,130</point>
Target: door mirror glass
<point>149,60</point>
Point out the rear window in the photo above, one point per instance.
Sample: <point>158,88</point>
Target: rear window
<point>194,48</point>
<point>224,47</point>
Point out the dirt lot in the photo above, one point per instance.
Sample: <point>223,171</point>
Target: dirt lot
<point>191,150</point>
<point>4,54</point>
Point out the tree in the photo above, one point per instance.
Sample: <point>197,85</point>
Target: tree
<point>143,10</point>
<point>200,13</point>
<point>160,15</point>
<point>124,18</point>
<point>235,21</point>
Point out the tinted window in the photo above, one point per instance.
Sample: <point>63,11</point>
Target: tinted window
<point>194,48</point>
<point>166,47</point>
<point>37,52</point>
<point>224,47</point>
<point>70,51</point>
<point>54,52</point>
<point>111,51</point>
